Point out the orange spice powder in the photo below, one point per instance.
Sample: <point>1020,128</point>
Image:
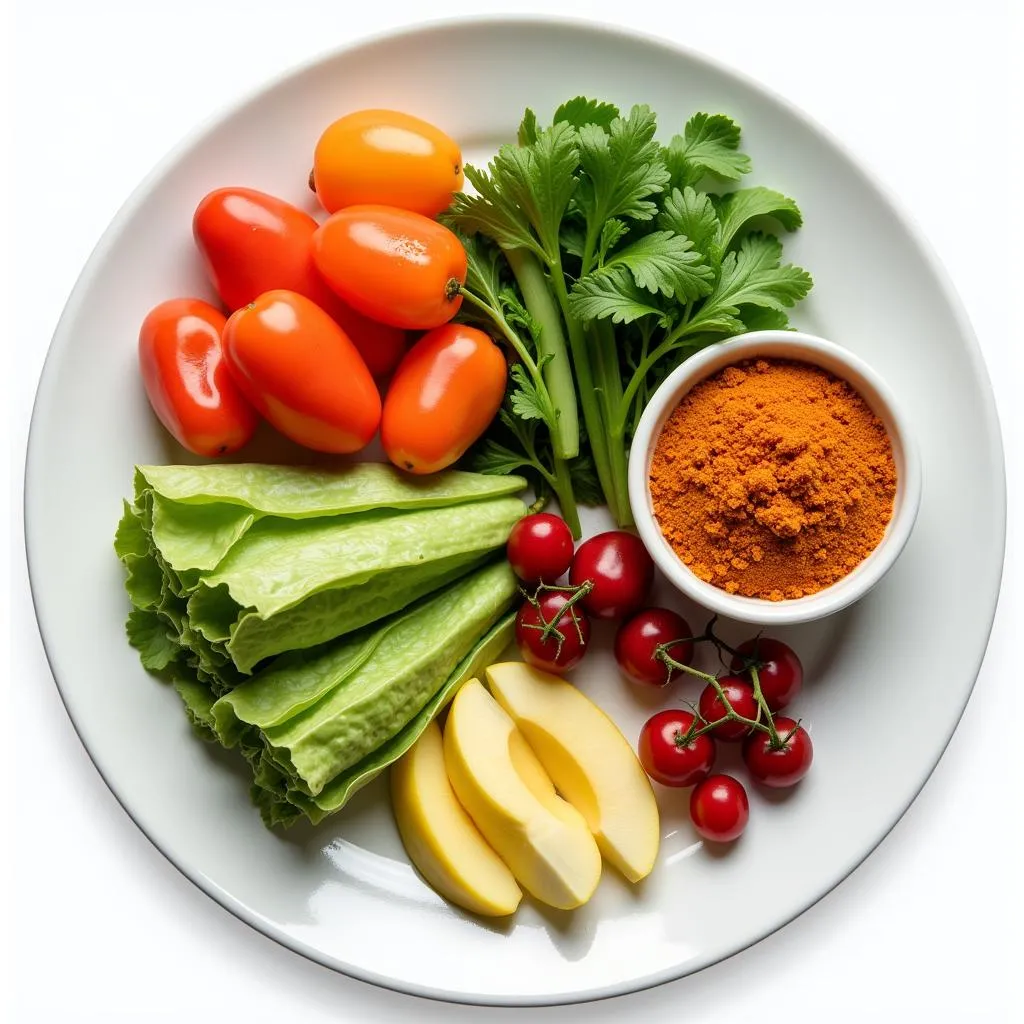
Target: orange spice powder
<point>773,479</point>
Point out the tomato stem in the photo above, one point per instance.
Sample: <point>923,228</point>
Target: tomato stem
<point>549,629</point>
<point>700,725</point>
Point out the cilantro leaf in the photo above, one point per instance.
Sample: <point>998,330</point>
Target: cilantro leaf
<point>492,213</point>
<point>760,318</point>
<point>516,314</point>
<point>581,111</point>
<point>613,293</point>
<point>622,168</point>
<point>692,214</point>
<point>527,134</point>
<point>709,145</point>
<point>483,277</point>
<point>523,194</point>
<point>663,262</point>
<point>737,208</point>
<point>751,275</point>
<point>526,401</point>
<point>496,459</point>
<point>611,232</point>
<point>540,180</point>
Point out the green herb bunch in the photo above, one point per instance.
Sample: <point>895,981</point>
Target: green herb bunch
<point>603,258</point>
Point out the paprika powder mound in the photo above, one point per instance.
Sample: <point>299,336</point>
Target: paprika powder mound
<point>773,479</point>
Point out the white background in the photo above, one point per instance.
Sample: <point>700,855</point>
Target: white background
<point>100,926</point>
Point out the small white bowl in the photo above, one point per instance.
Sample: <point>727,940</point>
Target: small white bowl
<point>829,356</point>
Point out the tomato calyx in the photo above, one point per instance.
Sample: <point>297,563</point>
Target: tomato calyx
<point>452,289</point>
<point>549,629</point>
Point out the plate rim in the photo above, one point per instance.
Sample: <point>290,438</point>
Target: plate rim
<point>206,126</point>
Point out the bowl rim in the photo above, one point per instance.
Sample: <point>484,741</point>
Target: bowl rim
<point>802,347</point>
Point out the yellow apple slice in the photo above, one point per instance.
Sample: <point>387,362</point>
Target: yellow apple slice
<point>498,780</point>
<point>589,760</point>
<point>441,840</point>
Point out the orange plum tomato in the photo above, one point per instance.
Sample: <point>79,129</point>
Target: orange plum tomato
<point>187,380</point>
<point>252,243</point>
<point>303,374</point>
<point>394,266</point>
<point>383,156</point>
<point>444,394</point>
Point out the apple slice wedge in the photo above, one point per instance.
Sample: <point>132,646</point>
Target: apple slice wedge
<point>441,840</point>
<point>499,781</point>
<point>589,760</point>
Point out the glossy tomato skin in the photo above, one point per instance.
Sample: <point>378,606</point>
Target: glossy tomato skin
<point>384,156</point>
<point>398,267</point>
<point>740,695</point>
<point>301,371</point>
<point>781,674</point>
<point>782,767</point>
<point>540,548</point>
<point>621,570</point>
<point>444,394</point>
<point>638,639</point>
<point>665,758</point>
<point>187,381</point>
<point>550,655</point>
<point>253,243</point>
<point>719,808</point>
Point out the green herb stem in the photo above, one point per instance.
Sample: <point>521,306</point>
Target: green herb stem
<point>561,484</point>
<point>608,377</point>
<point>551,349</point>
<point>597,432</point>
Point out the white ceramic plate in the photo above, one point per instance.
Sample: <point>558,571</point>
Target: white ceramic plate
<point>345,894</point>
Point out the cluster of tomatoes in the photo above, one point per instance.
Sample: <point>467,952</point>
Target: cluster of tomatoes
<point>610,577</point>
<point>318,315</point>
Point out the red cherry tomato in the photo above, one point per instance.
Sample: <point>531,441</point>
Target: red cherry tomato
<point>187,381</point>
<point>666,757</point>
<point>444,394</point>
<point>740,695</point>
<point>397,267</point>
<point>639,638</point>
<point>621,570</point>
<point>383,156</point>
<point>540,548</point>
<point>719,808</point>
<point>554,654</point>
<point>252,243</point>
<point>784,766</point>
<point>779,670</point>
<point>299,369</point>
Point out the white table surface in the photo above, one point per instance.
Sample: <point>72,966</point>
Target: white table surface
<point>102,928</point>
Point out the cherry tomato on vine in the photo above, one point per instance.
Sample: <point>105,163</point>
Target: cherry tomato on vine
<point>444,394</point>
<point>784,766</point>
<point>620,569</point>
<point>253,243</point>
<point>719,808</point>
<point>540,548</point>
<point>665,755</point>
<point>187,381</point>
<point>781,675</point>
<point>638,639</point>
<point>383,156</point>
<point>299,369</point>
<point>398,267</point>
<point>556,653</point>
<point>740,695</point>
